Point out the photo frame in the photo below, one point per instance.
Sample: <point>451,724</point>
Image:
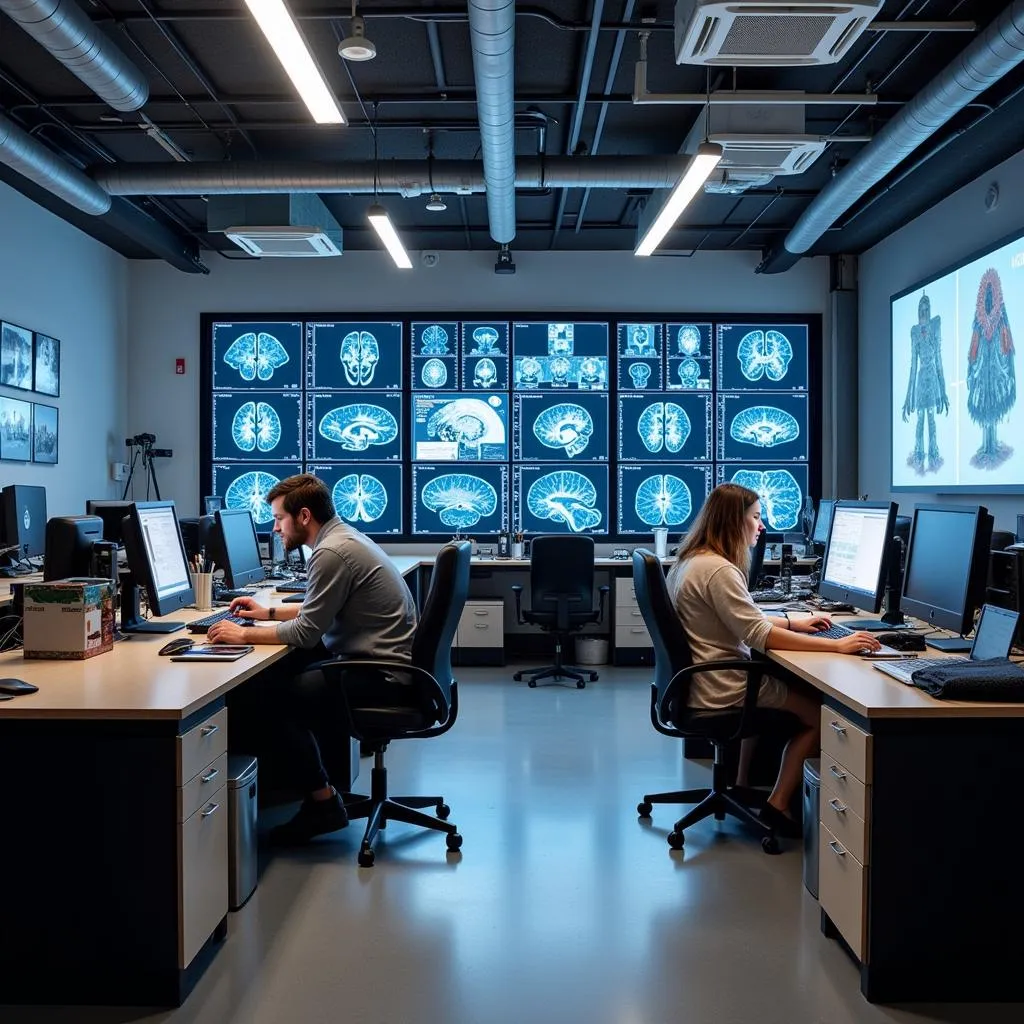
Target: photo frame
<point>46,365</point>
<point>45,433</point>
<point>15,430</point>
<point>15,356</point>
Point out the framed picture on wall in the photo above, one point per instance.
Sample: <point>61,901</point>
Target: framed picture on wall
<point>46,374</point>
<point>44,433</point>
<point>15,356</point>
<point>15,429</point>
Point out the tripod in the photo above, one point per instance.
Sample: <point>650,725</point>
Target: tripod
<point>148,467</point>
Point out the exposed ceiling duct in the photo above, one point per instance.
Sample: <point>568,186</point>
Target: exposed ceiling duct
<point>492,26</point>
<point>32,160</point>
<point>405,177</point>
<point>993,54</point>
<point>64,29</point>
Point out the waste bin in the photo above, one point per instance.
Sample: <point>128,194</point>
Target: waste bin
<point>591,650</point>
<point>241,829</point>
<point>812,795</point>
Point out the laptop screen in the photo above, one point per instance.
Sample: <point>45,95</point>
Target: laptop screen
<point>994,636</point>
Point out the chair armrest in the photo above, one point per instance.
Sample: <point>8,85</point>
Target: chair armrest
<point>754,670</point>
<point>603,593</point>
<point>518,591</point>
<point>343,664</point>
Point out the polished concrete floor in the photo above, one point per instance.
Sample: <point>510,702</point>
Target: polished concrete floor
<point>562,906</point>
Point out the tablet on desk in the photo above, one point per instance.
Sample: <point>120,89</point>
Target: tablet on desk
<point>213,652</point>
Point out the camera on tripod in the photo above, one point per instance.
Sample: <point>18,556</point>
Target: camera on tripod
<point>142,445</point>
<point>146,442</point>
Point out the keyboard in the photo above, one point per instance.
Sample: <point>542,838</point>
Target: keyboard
<point>772,596</point>
<point>203,624</point>
<point>837,632</point>
<point>295,587</point>
<point>226,595</point>
<point>902,672</point>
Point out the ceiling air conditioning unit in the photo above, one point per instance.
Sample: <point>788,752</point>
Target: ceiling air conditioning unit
<point>286,224</point>
<point>282,241</point>
<point>768,33</point>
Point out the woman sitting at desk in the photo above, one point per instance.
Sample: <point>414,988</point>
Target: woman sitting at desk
<point>708,584</point>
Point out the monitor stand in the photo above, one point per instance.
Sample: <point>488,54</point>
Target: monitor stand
<point>891,618</point>
<point>866,625</point>
<point>950,644</point>
<point>131,618</point>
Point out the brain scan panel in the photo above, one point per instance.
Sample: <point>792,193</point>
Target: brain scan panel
<point>763,427</point>
<point>660,495</point>
<point>672,427</point>
<point>485,374</point>
<point>368,497</point>
<point>256,426</point>
<point>762,357</point>
<point>354,356</point>
<point>781,488</point>
<point>449,500</point>
<point>688,356</point>
<point>433,373</point>
<point>435,347</point>
<point>342,426</point>
<point>460,428</point>
<point>434,339</point>
<point>555,428</point>
<point>485,338</point>
<point>550,500</point>
<point>257,356</point>
<point>639,341</point>
<point>554,356</point>
<point>246,486</point>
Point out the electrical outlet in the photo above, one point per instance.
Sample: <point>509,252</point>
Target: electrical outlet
<point>119,471</point>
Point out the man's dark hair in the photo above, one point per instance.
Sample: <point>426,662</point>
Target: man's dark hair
<point>304,491</point>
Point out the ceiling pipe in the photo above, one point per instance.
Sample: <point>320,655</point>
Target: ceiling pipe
<point>67,32</point>
<point>993,54</point>
<point>492,26</point>
<point>408,178</point>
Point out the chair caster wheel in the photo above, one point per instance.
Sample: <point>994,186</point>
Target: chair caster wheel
<point>676,840</point>
<point>454,842</point>
<point>365,858</point>
<point>593,677</point>
<point>770,845</point>
<point>580,684</point>
<point>532,684</point>
<point>518,677</point>
<point>644,809</point>
<point>443,810</point>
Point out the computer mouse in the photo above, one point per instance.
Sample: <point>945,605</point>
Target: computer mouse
<point>293,599</point>
<point>902,641</point>
<point>177,646</point>
<point>16,686</point>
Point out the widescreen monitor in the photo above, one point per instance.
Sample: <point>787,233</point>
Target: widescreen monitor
<point>343,426</point>
<point>23,520</point>
<point>467,500</point>
<point>674,428</point>
<point>237,547</point>
<point>775,427</point>
<point>69,546</point>
<point>560,499</point>
<point>257,356</point>
<point>856,558</point>
<point>255,427</point>
<point>112,513</point>
<point>762,357</point>
<point>460,428</point>
<point>946,568</point>
<point>367,496</point>
<point>658,495</point>
<point>354,356</point>
<point>560,428</point>
<point>158,562</point>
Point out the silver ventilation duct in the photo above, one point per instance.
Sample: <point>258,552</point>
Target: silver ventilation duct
<point>403,177</point>
<point>492,30</point>
<point>994,53</point>
<point>32,160</point>
<point>64,29</point>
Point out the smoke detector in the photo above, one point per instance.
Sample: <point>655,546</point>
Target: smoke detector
<point>435,204</point>
<point>356,46</point>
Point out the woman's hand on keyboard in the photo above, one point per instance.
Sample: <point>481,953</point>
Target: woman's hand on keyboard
<point>812,624</point>
<point>248,608</point>
<point>856,643</point>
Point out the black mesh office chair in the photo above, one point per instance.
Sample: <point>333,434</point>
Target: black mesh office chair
<point>561,599</point>
<point>431,708</point>
<point>673,671</point>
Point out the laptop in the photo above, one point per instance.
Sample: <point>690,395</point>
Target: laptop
<point>993,638</point>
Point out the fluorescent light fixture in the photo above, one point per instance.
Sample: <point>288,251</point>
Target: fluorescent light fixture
<point>276,22</point>
<point>704,161</point>
<point>389,236</point>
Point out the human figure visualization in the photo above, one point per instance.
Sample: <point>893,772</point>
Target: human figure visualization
<point>926,388</point>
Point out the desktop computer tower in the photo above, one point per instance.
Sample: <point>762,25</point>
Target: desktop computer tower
<point>1006,585</point>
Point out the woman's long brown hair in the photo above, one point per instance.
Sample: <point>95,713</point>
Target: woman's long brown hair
<point>720,526</point>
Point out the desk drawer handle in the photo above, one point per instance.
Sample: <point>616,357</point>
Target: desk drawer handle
<point>212,809</point>
<point>837,806</point>
<point>836,773</point>
<point>208,730</point>
<point>481,625</point>
<point>836,727</point>
<point>211,775</point>
<point>482,611</point>
<point>836,849</point>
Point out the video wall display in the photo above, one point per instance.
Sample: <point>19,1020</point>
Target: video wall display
<point>957,420</point>
<point>435,426</point>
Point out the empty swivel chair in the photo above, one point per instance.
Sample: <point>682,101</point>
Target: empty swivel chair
<point>561,599</point>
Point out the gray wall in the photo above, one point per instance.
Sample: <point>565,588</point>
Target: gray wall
<point>56,280</point>
<point>164,308</point>
<point>947,233</point>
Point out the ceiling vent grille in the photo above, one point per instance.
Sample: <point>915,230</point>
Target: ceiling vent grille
<point>769,33</point>
<point>285,224</point>
<point>283,241</point>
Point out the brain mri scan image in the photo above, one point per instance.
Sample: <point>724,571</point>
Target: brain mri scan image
<point>246,487</point>
<point>341,428</point>
<point>762,357</point>
<point>435,357</point>
<point>434,341</point>
<point>257,356</point>
<point>434,373</point>
<point>469,422</point>
<point>664,425</point>
<point>754,428</point>
<point>357,356</point>
<point>572,356</point>
<point>688,340</point>
<point>566,426</point>
<point>675,428</point>
<point>485,341</point>
<point>248,426</point>
<point>764,354</point>
<point>653,496</point>
<point>468,500</point>
<point>562,500</point>
<point>256,426</point>
<point>639,375</point>
<point>485,374</point>
<point>368,497</point>
<point>552,428</point>
<point>359,498</point>
<point>356,427</point>
<point>764,426</point>
<point>360,355</point>
<point>460,428</point>
<point>688,357</point>
<point>663,499</point>
<point>781,490</point>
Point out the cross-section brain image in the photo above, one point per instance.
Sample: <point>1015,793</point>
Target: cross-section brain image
<point>256,426</point>
<point>434,341</point>
<point>764,426</point>
<point>664,425</point>
<point>566,426</point>
<point>360,354</point>
<point>434,373</point>
<point>468,421</point>
<point>485,341</point>
<point>688,340</point>
<point>640,340</point>
<point>663,500</point>
<point>528,373</point>
<point>356,427</point>
<point>460,499</point>
<point>485,373</point>
<point>639,374</point>
<point>249,491</point>
<point>359,498</point>
<point>764,354</point>
<point>565,497</point>
<point>781,499</point>
<point>689,372</point>
<point>256,355</point>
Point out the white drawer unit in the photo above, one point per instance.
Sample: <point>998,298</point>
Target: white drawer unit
<point>202,873</point>
<point>633,635</point>
<point>625,592</point>
<point>202,745</point>
<point>480,636</point>
<point>196,791</point>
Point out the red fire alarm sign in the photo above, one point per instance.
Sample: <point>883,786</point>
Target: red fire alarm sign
<point>179,366</point>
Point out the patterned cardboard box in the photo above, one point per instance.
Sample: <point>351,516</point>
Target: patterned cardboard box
<point>69,619</point>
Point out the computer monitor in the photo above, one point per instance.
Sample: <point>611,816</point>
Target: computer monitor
<point>823,522</point>
<point>23,520</point>
<point>69,546</point>
<point>197,533</point>
<point>946,568</point>
<point>237,547</point>
<point>1020,527</point>
<point>212,502</point>
<point>854,569</point>
<point>157,561</point>
<point>757,560</point>
<point>112,513</point>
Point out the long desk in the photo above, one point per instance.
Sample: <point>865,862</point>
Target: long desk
<point>921,870</point>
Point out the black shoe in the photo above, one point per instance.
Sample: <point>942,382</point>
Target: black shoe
<point>781,824</point>
<point>314,818</point>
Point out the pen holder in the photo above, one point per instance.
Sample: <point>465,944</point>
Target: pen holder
<point>517,549</point>
<point>202,588</point>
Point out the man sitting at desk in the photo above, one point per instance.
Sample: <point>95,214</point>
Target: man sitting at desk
<point>356,605</point>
